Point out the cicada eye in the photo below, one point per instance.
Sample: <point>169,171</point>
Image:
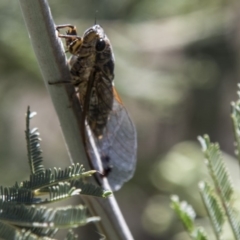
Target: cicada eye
<point>100,45</point>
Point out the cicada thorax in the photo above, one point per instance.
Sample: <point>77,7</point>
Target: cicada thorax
<point>92,67</point>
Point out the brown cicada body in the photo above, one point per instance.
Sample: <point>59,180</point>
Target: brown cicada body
<point>92,71</point>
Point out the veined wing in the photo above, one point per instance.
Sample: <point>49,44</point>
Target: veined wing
<point>117,147</point>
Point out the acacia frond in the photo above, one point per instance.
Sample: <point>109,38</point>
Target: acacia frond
<point>217,168</point>
<point>214,209</point>
<point>221,181</point>
<point>235,115</point>
<point>187,215</point>
<point>233,218</point>
<point>33,146</point>
<point>60,191</point>
<point>90,189</point>
<point>42,217</point>
<point>25,196</point>
<point>199,234</point>
<point>52,177</point>
<point>17,195</point>
<point>9,232</point>
<point>68,189</point>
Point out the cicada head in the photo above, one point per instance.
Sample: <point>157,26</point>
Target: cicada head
<point>97,48</point>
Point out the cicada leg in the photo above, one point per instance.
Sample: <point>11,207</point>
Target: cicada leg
<point>73,41</point>
<point>72,29</point>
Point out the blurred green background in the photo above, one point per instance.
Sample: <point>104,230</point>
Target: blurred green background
<point>177,69</point>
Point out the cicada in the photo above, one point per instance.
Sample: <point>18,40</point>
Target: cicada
<point>105,119</point>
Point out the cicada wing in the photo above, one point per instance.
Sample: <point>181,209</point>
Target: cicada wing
<point>117,147</point>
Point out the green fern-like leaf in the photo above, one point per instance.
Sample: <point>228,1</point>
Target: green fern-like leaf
<point>17,194</point>
<point>217,168</point>
<point>53,185</point>
<point>90,189</point>
<point>42,217</point>
<point>61,190</point>
<point>18,220</point>
<point>21,195</point>
<point>214,209</point>
<point>8,232</point>
<point>52,177</point>
<point>199,234</point>
<point>33,146</point>
<point>43,232</point>
<point>187,215</point>
<point>235,115</point>
<point>221,181</point>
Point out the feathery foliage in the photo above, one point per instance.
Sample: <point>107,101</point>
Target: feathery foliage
<point>19,219</point>
<point>11,232</point>
<point>213,206</point>
<point>236,123</point>
<point>187,215</point>
<point>33,145</point>
<point>42,217</point>
<point>222,184</point>
<point>217,168</point>
<point>217,196</point>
